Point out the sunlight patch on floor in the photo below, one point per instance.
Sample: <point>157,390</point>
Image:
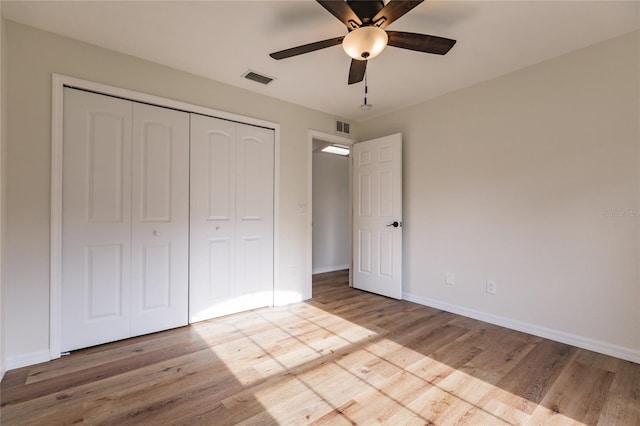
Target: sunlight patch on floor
<point>286,341</point>
<point>341,372</point>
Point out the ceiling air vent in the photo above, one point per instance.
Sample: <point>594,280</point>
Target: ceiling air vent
<point>259,78</point>
<point>342,127</point>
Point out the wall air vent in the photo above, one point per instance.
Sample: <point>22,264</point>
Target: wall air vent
<point>342,127</point>
<point>259,78</point>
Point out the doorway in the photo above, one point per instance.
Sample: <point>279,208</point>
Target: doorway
<point>330,204</point>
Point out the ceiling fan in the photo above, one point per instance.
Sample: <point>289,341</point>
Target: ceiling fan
<point>365,20</point>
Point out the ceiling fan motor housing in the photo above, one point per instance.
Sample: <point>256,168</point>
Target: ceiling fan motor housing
<point>366,10</point>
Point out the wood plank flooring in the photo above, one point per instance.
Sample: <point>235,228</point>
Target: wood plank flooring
<point>344,357</point>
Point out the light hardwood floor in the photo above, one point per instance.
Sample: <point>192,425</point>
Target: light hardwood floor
<point>345,357</point>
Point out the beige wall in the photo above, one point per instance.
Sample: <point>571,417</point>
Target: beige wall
<point>33,56</point>
<point>531,180</point>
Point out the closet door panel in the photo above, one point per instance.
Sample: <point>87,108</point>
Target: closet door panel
<point>219,282</point>
<point>254,219</point>
<point>160,215</point>
<point>96,227</point>
<point>231,217</point>
<point>219,163</point>
<point>212,218</point>
<point>251,173</point>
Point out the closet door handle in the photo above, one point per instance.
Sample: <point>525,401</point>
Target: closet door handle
<point>395,224</point>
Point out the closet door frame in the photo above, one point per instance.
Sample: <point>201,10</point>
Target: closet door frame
<point>58,82</point>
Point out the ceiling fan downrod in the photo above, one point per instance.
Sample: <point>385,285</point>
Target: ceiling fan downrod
<point>365,106</point>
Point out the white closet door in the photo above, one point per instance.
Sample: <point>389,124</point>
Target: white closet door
<point>212,273</point>
<point>160,218</point>
<point>96,229</point>
<point>254,215</point>
<point>231,238</point>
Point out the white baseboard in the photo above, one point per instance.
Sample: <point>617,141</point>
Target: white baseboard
<point>27,359</point>
<point>324,269</point>
<point>599,346</point>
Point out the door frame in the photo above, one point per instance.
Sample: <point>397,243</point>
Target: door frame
<point>325,137</point>
<point>58,82</point>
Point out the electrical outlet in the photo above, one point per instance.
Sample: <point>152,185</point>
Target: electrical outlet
<point>449,278</point>
<point>492,287</point>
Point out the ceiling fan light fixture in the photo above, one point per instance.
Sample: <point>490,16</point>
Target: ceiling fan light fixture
<point>365,42</point>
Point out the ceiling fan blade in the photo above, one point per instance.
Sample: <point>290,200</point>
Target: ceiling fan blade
<point>356,71</point>
<point>394,10</point>
<point>420,42</point>
<point>306,48</point>
<point>341,10</point>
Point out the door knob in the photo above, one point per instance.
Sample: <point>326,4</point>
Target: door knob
<point>395,224</point>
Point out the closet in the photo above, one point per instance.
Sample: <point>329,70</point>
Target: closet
<point>167,218</point>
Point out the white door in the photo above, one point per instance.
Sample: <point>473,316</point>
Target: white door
<point>377,216</point>
<point>160,219</point>
<point>125,219</point>
<point>231,225</point>
<point>254,216</point>
<point>96,227</point>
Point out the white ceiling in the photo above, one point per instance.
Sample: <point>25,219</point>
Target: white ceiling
<point>223,39</point>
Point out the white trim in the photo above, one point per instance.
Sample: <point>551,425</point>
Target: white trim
<point>333,268</point>
<point>325,137</point>
<point>159,101</point>
<point>276,211</point>
<point>599,346</point>
<point>27,359</point>
<point>55,292</point>
<point>58,82</point>
<point>3,139</point>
